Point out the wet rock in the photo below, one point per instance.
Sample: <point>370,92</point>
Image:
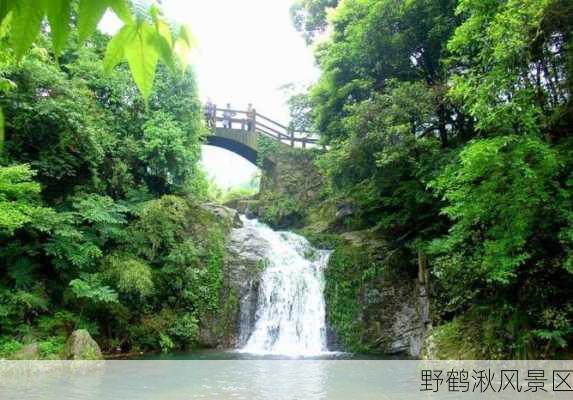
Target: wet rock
<point>343,211</point>
<point>81,346</point>
<point>409,325</point>
<point>392,307</point>
<point>243,265</point>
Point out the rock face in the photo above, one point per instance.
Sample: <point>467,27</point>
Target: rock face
<point>81,346</point>
<point>243,265</point>
<point>374,304</point>
<point>405,335</point>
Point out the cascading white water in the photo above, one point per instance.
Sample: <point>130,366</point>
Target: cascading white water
<point>290,318</point>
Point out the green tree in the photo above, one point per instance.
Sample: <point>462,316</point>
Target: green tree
<point>310,16</point>
<point>376,41</point>
<point>516,59</point>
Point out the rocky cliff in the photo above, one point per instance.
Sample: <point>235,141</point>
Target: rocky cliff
<point>244,258</point>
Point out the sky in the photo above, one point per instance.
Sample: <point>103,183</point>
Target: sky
<point>247,49</point>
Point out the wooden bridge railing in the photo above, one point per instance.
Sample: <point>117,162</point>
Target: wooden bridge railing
<point>255,122</point>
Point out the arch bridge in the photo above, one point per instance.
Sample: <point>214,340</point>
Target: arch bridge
<point>239,131</point>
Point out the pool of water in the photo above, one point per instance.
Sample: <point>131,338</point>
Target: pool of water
<point>209,379</point>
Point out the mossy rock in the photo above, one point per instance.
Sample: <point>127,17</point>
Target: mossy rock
<point>30,351</point>
<point>373,302</point>
<point>81,346</point>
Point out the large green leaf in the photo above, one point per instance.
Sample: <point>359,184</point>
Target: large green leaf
<point>5,7</point>
<point>58,12</point>
<point>122,10</point>
<point>183,44</point>
<point>116,47</point>
<point>89,14</point>
<point>27,17</point>
<point>164,45</point>
<point>142,57</point>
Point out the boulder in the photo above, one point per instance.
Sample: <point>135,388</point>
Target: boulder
<point>248,206</point>
<point>81,346</point>
<point>228,216</point>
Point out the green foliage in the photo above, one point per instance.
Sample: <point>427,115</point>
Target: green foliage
<point>375,41</point>
<point>300,108</point>
<point>515,54</point>
<point>185,328</point>
<point>52,348</point>
<point>91,289</point>
<point>309,16</point>
<point>280,210</point>
<point>238,193</point>
<point>130,275</point>
<point>244,191</point>
<point>266,148</point>
<point>168,331</point>
<point>19,197</point>
<point>167,151</point>
<point>385,163</point>
<point>8,347</point>
<point>165,343</point>
<point>18,306</point>
<point>1,130</point>
<point>97,248</point>
<point>344,281</point>
<point>510,182</point>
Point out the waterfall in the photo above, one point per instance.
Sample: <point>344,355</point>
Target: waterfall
<point>290,316</point>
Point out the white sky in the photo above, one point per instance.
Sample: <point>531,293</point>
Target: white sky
<point>246,50</point>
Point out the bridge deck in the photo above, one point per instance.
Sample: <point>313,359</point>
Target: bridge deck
<point>240,135</point>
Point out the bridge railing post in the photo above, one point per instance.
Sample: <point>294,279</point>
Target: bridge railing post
<point>253,121</point>
<point>291,134</point>
<point>214,117</point>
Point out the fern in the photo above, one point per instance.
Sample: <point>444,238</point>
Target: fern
<point>98,209</point>
<point>22,272</point>
<point>91,288</point>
